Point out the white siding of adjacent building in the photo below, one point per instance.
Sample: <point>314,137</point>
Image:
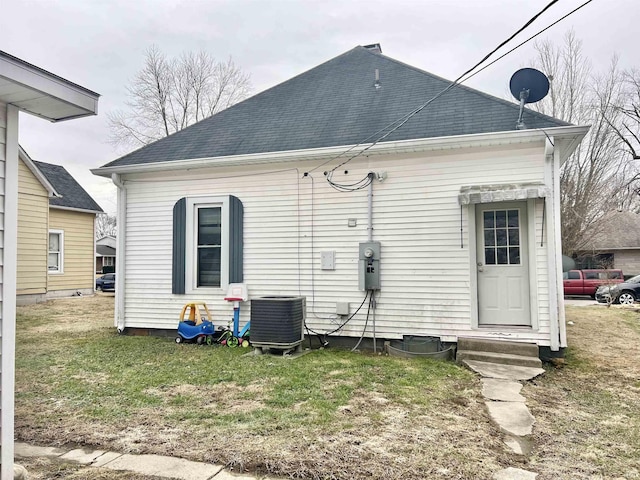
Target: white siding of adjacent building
<point>289,219</point>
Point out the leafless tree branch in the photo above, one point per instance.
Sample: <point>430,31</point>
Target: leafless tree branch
<point>168,95</point>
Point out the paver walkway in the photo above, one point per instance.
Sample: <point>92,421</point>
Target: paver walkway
<point>501,388</point>
<point>153,465</point>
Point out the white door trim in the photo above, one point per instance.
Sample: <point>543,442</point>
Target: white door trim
<point>533,277</point>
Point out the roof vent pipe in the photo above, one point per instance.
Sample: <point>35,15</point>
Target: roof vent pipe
<point>377,83</point>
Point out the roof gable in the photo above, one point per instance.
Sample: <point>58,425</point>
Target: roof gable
<point>337,103</point>
<point>72,195</point>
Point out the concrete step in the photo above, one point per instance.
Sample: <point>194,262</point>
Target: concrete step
<point>498,346</point>
<point>500,358</point>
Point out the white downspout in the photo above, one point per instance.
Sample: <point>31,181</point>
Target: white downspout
<point>554,245</point>
<point>121,219</point>
<point>557,261</point>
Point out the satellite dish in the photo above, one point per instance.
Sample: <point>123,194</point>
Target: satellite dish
<point>528,85</point>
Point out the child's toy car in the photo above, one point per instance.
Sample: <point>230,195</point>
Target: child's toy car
<point>197,326</point>
<point>202,333</point>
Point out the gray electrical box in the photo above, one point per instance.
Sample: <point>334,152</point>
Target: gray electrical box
<point>369,266</point>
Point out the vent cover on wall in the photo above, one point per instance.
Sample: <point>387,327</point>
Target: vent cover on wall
<point>277,322</point>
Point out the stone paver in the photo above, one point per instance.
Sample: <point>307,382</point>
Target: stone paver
<point>166,467</point>
<point>502,390</point>
<point>106,458</point>
<point>512,473</point>
<point>224,475</point>
<point>506,372</point>
<point>513,418</point>
<point>26,450</point>
<point>519,445</point>
<point>86,457</point>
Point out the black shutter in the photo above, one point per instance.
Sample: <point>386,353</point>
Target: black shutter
<point>236,213</point>
<point>179,232</point>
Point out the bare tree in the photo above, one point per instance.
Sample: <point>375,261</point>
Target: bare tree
<point>106,225</point>
<point>168,95</point>
<point>593,180</point>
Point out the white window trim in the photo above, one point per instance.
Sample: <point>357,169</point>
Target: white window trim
<point>60,269</point>
<point>191,257</point>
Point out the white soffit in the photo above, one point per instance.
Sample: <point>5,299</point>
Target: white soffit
<point>42,93</point>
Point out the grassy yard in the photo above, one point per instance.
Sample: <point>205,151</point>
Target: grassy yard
<point>327,415</point>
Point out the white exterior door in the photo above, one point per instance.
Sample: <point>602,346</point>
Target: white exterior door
<point>502,263</point>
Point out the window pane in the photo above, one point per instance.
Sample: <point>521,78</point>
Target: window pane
<point>513,218</point>
<point>514,237</point>
<point>488,220</point>
<point>209,266</point>
<point>489,238</point>
<point>502,256</point>
<point>489,256</point>
<point>514,256</point>
<point>501,237</point>
<point>574,275</point>
<point>54,242</point>
<point>209,226</point>
<point>501,218</point>
<point>53,261</point>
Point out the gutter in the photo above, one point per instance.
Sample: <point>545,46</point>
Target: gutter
<point>121,216</point>
<point>407,146</point>
<point>73,209</point>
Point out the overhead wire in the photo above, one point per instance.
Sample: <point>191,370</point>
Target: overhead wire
<point>398,123</point>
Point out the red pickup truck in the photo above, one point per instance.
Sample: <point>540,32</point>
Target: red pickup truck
<point>586,282</point>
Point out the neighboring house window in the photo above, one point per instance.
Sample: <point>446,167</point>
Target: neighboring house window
<point>207,243</point>
<point>108,261</point>
<point>56,251</point>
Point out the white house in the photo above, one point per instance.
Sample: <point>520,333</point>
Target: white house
<point>23,87</point>
<point>281,190</point>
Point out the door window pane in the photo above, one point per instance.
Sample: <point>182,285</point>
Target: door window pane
<point>501,234</point>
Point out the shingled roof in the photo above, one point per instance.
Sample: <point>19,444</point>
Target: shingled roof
<point>617,231</point>
<point>337,103</point>
<point>72,194</point>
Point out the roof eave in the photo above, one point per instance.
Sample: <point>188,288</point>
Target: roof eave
<point>43,93</point>
<point>574,134</point>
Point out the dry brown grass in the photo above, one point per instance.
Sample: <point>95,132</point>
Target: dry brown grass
<point>588,413</point>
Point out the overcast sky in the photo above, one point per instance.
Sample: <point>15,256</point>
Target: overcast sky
<point>100,45</point>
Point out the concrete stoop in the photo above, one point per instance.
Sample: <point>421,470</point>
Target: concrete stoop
<point>498,351</point>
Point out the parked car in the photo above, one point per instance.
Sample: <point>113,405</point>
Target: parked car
<point>625,293</point>
<point>106,282</point>
<point>586,282</point>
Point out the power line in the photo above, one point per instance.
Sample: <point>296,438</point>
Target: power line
<point>404,119</point>
<point>527,40</point>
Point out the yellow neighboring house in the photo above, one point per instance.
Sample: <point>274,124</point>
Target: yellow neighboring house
<point>56,240</point>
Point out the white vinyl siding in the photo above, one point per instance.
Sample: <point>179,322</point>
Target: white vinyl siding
<point>289,219</point>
